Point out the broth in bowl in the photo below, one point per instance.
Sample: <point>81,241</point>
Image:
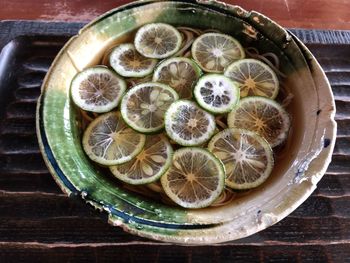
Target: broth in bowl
<point>220,106</point>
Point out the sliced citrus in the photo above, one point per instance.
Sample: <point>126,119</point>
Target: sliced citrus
<point>254,78</point>
<point>143,107</point>
<point>109,141</point>
<point>247,157</point>
<point>157,40</point>
<point>97,89</point>
<point>216,93</point>
<point>195,178</point>
<point>215,51</point>
<point>179,73</point>
<point>187,124</point>
<point>127,62</point>
<point>148,165</point>
<point>263,116</point>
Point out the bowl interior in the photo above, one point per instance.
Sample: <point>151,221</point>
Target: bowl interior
<point>263,206</point>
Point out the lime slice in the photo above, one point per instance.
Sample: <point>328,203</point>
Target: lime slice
<point>179,73</point>
<point>97,89</point>
<point>254,78</point>
<point>195,178</point>
<point>187,124</point>
<point>109,141</point>
<point>158,40</point>
<point>127,62</point>
<point>263,116</point>
<point>216,93</point>
<point>215,51</point>
<point>143,107</point>
<point>148,165</point>
<point>247,157</point>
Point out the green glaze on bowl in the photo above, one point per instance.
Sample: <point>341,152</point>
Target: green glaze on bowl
<point>294,178</point>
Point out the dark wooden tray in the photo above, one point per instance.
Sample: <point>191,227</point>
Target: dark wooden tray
<point>39,223</point>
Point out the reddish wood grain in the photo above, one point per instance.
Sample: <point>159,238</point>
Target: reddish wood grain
<point>327,14</point>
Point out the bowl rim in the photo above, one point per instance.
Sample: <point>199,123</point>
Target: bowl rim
<point>266,220</point>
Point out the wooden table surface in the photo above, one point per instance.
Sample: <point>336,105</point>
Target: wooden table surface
<point>321,14</point>
<point>38,223</point>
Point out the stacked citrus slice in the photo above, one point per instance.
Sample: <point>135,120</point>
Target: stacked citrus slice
<point>97,89</point>
<point>247,157</point>
<point>254,78</point>
<point>195,179</point>
<point>179,73</point>
<point>149,164</point>
<point>108,140</point>
<point>215,51</point>
<point>151,108</point>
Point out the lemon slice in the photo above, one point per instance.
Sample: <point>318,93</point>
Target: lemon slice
<point>97,89</point>
<point>216,93</point>
<point>109,141</point>
<point>143,107</point>
<point>263,116</point>
<point>187,124</point>
<point>254,78</point>
<point>157,40</point>
<point>247,157</point>
<point>213,52</point>
<point>195,179</point>
<point>179,73</point>
<point>127,62</point>
<point>148,165</point>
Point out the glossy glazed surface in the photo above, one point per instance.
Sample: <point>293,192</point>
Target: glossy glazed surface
<point>294,178</point>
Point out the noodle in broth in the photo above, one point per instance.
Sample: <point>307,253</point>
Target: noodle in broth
<point>154,190</point>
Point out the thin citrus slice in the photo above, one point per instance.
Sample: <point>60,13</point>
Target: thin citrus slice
<point>148,165</point>
<point>179,73</point>
<point>127,62</point>
<point>187,124</point>
<point>254,78</point>
<point>157,40</point>
<point>143,107</point>
<point>195,178</point>
<point>247,157</point>
<point>215,51</point>
<point>216,93</point>
<point>109,141</point>
<point>97,89</point>
<point>263,116</point>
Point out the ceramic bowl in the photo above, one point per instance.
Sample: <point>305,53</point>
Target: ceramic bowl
<point>294,178</point>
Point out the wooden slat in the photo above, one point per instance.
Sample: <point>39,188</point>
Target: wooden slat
<point>334,185</point>
<point>15,144</point>
<point>15,163</point>
<point>343,128</point>
<point>342,146</point>
<point>28,182</point>
<point>19,109</point>
<point>44,217</point>
<point>27,94</point>
<point>31,80</point>
<point>18,126</point>
<point>343,109</point>
<point>341,92</point>
<point>70,229</point>
<point>78,229</point>
<point>141,252</point>
<point>339,165</point>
